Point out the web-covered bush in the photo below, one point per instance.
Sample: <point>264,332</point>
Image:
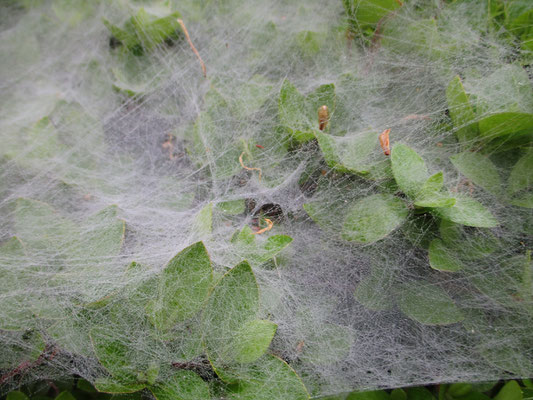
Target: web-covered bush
<point>265,200</point>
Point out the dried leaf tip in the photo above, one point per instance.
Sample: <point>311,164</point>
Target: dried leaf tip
<point>323,117</point>
<point>384,141</point>
<point>249,168</point>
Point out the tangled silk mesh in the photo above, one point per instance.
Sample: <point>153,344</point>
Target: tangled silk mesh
<point>109,158</point>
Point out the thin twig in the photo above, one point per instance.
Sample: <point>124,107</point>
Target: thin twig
<point>192,46</point>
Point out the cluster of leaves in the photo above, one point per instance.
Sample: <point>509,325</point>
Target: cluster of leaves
<point>369,19</point>
<point>80,389</point>
<point>206,331</point>
<point>211,324</point>
<point>408,195</point>
<point>144,31</point>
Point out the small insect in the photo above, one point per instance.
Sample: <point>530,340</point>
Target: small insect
<point>323,117</point>
<point>259,146</point>
<point>384,141</point>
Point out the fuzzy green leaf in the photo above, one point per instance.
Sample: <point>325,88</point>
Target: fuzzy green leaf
<point>109,385</point>
<point>469,212</point>
<point>232,207</point>
<point>409,169</point>
<point>461,111</point>
<point>65,395</point>
<point>479,169</point>
<point>510,391</point>
<point>183,287</point>
<point>428,304</point>
<point>233,302</point>
<point>271,378</point>
<point>253,340</point>
<point>370,12</point>
<point>443,258</point>
<point>293,114</point>
<point>257,250</point>
<point>350,153</point>
<point>374,290</point>
<point>182,385</point>
<point>16,395</point>
<point>369,395</point>
<point>505,124</point>
<point>522,174</point>
<point>373,218</point>
<point>328,343</point>
<point>20,347</point>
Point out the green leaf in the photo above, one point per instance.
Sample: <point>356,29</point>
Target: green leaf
<point>459,389</point>
<point>479,169</point>
<point>521,176</point>
<point>16,395</point>
<point>203,221</point>
<point>41,143</point>
<point>525,200</point>
<point>299,114</point>
<point>469,212</point>
<point>271,378</point>
<point>20,347</point>
<point>253,340</point>
<point>233,302</point>
<point>15,312</point>
<point>510,391</point>
<point>468,244</point>
<point>398,394</point>
<point>324,95</point>
<point>436,200</point>
<point>349,153</point>
<point>419,393</point>
<point>85,386</point>
<point>461,111</point>
<point>506,123</point>
<point>292,110</point>
<point>324,215</point>
<point>126,36</point>
<point>433,184</point>
<point>257,250</point>
<point>373,218</point>
<point>309,43</point>
<point>108,385</point>
<point>182,385</point>
<point>183,287</point>
<point>443,258</point>
<point>41,227</point>
<point>232,207</point>
<point>327,343</point>
<point>119,355</point>
<point>65,395</point>
<point>374,290</point>
<point>428,304</point>
<point>153,31</point>
<point>145,31</point>
<point>370,12</point>
<point>370,395</point>
<point>409,169</point>
<point>103,237</point>
<point>207,137</point>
